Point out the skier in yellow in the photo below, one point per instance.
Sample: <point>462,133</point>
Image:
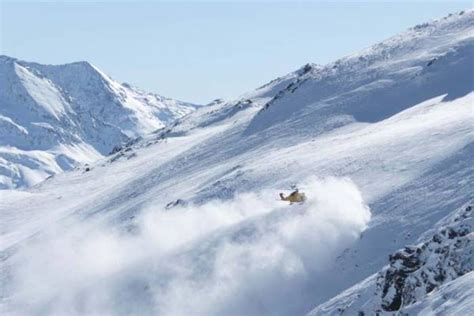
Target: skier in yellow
<point>294,197</point>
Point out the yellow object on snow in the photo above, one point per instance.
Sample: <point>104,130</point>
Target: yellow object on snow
<point>294,197</point>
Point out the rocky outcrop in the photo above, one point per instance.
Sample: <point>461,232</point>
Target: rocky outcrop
<point>418,270</point>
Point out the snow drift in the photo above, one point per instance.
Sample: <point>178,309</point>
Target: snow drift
<point>222,257</point>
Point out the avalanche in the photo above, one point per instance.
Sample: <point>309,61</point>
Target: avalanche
<point>215,254</point>
<point>186,219</point>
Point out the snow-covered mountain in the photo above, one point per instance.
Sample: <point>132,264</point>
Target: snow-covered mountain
<point>53,118</point>
<point>414,272</point>
<point>187,221</point>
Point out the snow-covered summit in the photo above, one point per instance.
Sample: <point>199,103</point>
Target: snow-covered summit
<point>382,146</point>
<point>399,66</point>
<point>55,117</point>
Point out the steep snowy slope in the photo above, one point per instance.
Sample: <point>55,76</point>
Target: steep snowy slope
<point>415,272</point>
<point>186,221</point>
<point>53,118</point>
<point>453,298</point>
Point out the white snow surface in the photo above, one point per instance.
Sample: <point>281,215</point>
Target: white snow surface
<point>417,273</point>
<point>453,298</point>
<point>54,118</point>
<point>186,220</point>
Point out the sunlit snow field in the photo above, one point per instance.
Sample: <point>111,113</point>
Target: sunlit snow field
<point>380,141</point>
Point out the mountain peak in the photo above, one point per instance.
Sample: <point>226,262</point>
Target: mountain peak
<point>82,64</point>
<point>7,59</point>
<point>380,142</point>
<point>74,107</point>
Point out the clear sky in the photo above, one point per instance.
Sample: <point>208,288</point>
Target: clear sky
<point>198,51</point>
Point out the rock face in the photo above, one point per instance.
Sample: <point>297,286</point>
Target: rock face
<point>53,118</point>
<point>418,270</point>
<point>445,255</point>
<point>379,127</point>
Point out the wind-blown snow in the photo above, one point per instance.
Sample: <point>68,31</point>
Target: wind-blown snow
<point>416,273</point>
<point>216,255</point>
<point>395,119</point>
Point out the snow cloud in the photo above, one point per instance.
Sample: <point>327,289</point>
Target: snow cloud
<point>250,255</point>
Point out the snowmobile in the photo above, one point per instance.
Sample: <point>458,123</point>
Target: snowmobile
<point>294,197</point>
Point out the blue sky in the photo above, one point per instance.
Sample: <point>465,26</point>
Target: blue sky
<point>198,51</point>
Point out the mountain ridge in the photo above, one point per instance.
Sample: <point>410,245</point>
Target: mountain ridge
<point>73,112</point>
<point>383,153</point>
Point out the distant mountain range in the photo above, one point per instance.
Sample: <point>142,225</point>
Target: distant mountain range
<point>185,219</point>
<point>54,118</point>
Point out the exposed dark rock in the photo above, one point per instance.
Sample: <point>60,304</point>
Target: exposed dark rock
<point>175,203</point>
<point>418,270</point>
